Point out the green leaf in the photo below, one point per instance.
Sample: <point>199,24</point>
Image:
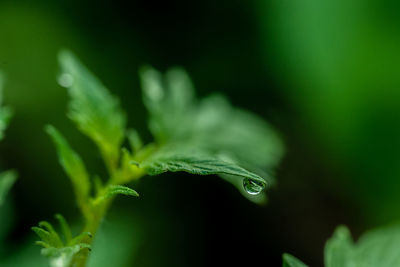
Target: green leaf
<point>113,190</point>
<point>65,229</point>
<point>202,136</point>
<point>7,179</point>
<point>71,162</point>
<point>45,236</point>
<point>221,128</point>
<point>134,140</point>
<point>96,112</point>
<point>56,240</point>
<point>339,249</point>
<point>175,159</point>
<point>60,253</point>
<point>378,248</point>
<point>168,99</point>
<point>291,261</point>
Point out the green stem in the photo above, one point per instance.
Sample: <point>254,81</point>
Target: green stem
<point>94,213</point>
<point>94,218</point>
<point>92,225</point>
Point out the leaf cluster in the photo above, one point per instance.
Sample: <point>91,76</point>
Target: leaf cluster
<point>202,137</point>
<point>60,249</point>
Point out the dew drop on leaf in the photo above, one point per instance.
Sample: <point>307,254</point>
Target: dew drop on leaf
<point>253,187</point>
<point>65,80</point>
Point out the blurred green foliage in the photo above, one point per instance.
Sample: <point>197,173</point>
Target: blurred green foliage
<point>323,72</point>
<point>378,247</point>
<point>339,62</point>
<point>199,137</point>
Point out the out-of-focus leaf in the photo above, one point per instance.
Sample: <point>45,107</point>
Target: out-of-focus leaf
<point>339,249</point>
<point>378,248</point>
<point>96,112</point>
<point>223,129</point>
<point>7,179</point>
<point>291,261</point>
<point>71,162</point>
<point>62,257</point>
<point>169,100</point>
<point>209,132</point>
<point>48,235</point>
<point>65,229</point>
<point>134,140</point>
<point>59,252</point>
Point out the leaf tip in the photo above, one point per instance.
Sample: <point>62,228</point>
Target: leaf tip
<point>50,129</point>
<point>64,55</point>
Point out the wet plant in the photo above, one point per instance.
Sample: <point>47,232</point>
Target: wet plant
<point>203,137</point>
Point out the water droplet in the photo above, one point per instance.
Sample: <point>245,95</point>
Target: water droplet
<point>253,187</point>
<point>65,80</point>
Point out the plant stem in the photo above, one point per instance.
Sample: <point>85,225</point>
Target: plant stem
<point>94,218</point>
<point>92,225</point>
<point>94,213</point>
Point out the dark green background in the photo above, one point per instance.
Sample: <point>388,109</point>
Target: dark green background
<point>326,74</point>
